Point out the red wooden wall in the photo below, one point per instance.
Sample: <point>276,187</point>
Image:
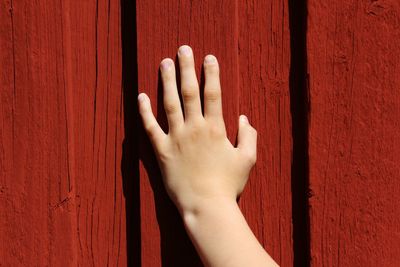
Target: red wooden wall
<point>354,135</point>
<point>251,40</point>
<point>62,127</point>
<point>79,184</point>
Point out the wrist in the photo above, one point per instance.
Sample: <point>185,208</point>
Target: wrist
<point>208,207</point>
<point>221,234</point>
<point>199,197</point>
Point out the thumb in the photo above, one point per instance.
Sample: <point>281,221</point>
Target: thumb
<point>153,129</point>
<point>247,139</point>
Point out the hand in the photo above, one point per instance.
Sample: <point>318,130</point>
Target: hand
<point>202,171</point>
<point>196,159</point>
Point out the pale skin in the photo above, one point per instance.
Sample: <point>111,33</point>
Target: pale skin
<point>202,171</point>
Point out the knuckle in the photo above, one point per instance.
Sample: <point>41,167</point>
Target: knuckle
<point>212,94</point>
<point>196,131</point>
<point>216,130</point>
<point>189,92</point>
<point>250,157</point>
<point>170,108</point>
<point>194,135</point>
<point>167,75</point>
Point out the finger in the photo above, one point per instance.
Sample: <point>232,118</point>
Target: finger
<point>247,140</point>
<point>172,104</point>
<point>189,84</point>
<point>212,89</point>
<point>153,129</point>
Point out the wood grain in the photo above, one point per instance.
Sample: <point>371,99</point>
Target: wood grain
<point>208,27</point>
<point>251,42</point>
<point>79,184</point>
<point>37,202</point>
<point>264,63</point>
<point>69,136</point>
<point>95,58</point>
<point>62,202</point>
<point>354,132</point>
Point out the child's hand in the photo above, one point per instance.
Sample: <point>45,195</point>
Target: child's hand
<point>197,160</point>
<point>203,173</point>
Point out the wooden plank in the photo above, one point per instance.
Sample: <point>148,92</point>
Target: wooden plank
<point>354,140</point>
<point>63,179</point>
<point>93,55</point>
<point>37,202</point>
<point>61,185</point>
<point>208,27</point>
<point>264,59</point>
<point>251,41</point>
<point>99,132</point>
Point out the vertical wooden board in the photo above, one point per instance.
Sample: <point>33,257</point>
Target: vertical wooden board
<point>162,26</point>
<point>264,59</point>
<point>354,130</point>
<point>93,55</point>
<point>62,131</point>
<point>37,206</point>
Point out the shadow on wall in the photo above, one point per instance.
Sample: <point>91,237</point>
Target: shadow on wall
<point>176,247</point>
<point>130,155</point>
<point>299,107</point>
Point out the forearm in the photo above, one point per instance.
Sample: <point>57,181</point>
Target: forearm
<point>222,236</point>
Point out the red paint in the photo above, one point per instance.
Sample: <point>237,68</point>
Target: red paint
<point>251,42</point>
<point>74,158</point>
<point>354,132</point>
<point>263,70</point>
<point>61,200</point>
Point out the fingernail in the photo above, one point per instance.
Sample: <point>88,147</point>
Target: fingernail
<point>166,64</point>
<point>185,50</point>
<point>243,118</point>
<point>210,59</point>
<point>141,97</point>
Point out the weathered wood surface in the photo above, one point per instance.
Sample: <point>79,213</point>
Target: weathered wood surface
<point>251,42</point>
<point>263,69</point>
<point>72,147</point>
<point>354,144</point>
<point>68,179</point>
<point>61,195</point>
